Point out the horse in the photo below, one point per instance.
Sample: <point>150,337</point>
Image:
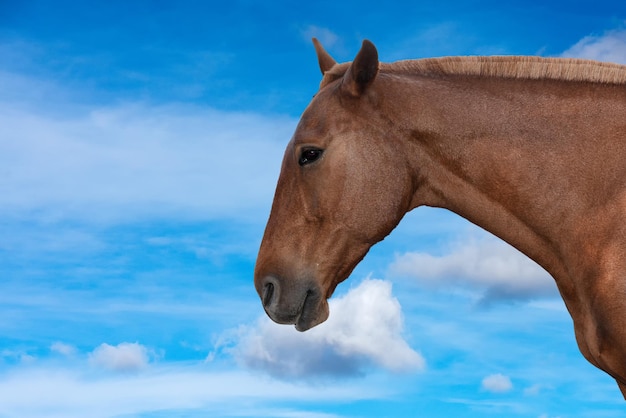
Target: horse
<point>530,149</point>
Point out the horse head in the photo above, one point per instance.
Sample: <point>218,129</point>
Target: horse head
<point>344,185</point>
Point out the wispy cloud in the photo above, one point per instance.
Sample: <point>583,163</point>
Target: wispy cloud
<point>135,160</point>
<point>497,383</point>
<point>448,37</point>
<point>180,389</point>
<point>610,46</point>
<point>364,330</point>
<point>327,37</point>
<point>483,263</point>
<point>63,349</point>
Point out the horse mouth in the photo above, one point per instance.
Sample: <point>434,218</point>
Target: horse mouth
<point>284,308</point>
<point>313,312</point>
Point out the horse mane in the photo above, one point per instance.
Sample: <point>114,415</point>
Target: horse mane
<point>515,67</point>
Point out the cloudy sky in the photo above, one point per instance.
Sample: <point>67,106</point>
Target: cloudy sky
<point>140,144</point>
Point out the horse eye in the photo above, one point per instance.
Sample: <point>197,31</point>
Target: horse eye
<point>309,155</point>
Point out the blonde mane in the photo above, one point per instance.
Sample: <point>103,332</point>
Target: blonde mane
<point>516,67</point>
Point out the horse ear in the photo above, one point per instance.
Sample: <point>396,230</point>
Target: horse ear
<point>362,71</point>
<point>324,59</point>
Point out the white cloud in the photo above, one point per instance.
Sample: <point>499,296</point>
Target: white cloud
<point>485,263</point>
<point>497,383</point>
<point>610,46</point>
<point>66,350</point>
<point>135,160</point>
<point>364,329</point>
<point>124,357</point>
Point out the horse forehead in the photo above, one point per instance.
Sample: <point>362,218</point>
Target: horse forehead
<point>315,127</point>
<point>320,122</point>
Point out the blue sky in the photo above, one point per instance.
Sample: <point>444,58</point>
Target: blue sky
<point>140,144</point>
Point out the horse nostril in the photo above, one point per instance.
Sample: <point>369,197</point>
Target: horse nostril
<point>268,293</point>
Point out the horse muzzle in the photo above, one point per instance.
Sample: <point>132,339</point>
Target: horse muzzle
<point>302,304</point>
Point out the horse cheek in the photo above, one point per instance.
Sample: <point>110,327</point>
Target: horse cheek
<point>367,203</point>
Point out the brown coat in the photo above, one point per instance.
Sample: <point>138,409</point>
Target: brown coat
<point>531,149</point>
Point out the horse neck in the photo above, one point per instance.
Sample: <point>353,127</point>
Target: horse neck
<point>513,157</point>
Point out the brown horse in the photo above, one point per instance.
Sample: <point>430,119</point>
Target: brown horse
<point>531,149</point>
